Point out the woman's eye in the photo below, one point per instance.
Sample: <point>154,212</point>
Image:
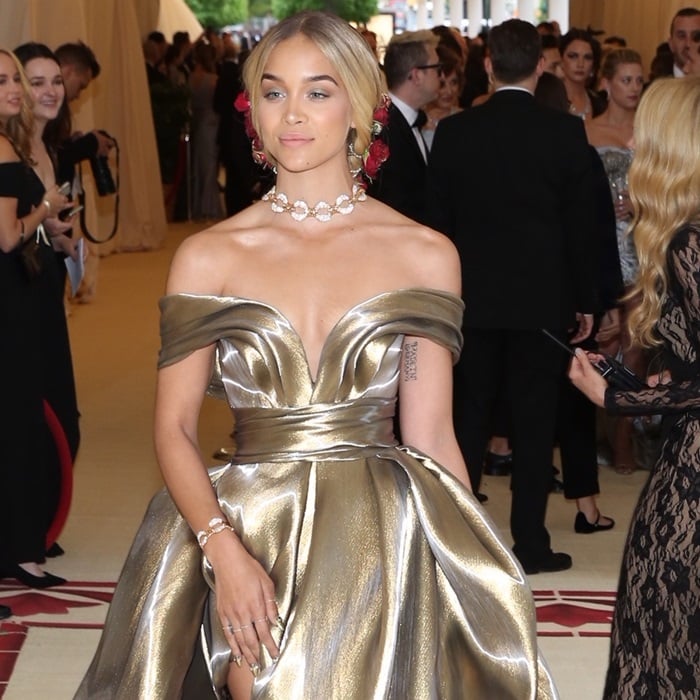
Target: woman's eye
<point>272,94</point>
<point>318,95</point>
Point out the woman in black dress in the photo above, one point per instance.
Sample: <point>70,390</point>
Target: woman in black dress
<point>43,73</point>
<point>655,646</point>
<point>30,306</point>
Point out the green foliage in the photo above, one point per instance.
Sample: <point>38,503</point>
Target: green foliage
<point>260,8</point>
<point>351,10</point>
<point>219,13</point>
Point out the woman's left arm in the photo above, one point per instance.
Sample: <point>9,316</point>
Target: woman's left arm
<point>425,404</point>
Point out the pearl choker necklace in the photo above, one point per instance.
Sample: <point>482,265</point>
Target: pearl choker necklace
<point>300,210</point>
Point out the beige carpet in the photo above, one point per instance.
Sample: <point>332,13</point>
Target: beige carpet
<point>46,646</point>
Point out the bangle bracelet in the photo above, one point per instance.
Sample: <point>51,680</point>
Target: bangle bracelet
<point>215,526</point>
<point>47,204</point>
<point>21,231</point>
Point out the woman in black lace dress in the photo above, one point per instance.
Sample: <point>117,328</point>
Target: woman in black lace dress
<point>655,646</point>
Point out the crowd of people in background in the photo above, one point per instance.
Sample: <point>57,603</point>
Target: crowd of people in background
<point>479,140</point>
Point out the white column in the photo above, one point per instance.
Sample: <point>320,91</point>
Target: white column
<point>456,13</point>
<point>422,15</point>
<point>475,15</point>
<point>526,10</point>
<point>498,12</point>
<point>559,11</point>
<point>438,12</point>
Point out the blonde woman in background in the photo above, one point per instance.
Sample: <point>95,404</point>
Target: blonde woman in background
<point>31,308</point>
<point>622,77</point>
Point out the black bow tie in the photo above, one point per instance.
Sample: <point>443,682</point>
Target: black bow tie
<point>421,119</point>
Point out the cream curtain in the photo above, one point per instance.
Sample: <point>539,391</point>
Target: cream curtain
<point>643,23</point>
<point>167,16</point>
<point>117,101</point>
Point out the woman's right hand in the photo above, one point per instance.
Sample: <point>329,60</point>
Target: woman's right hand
<point>586,378</point>
<point>56,199</point>
<point>623,206</point>
<point>245,599</point>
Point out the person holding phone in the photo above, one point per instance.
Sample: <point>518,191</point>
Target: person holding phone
<point>33,339</point>
<point>655,646</point>
<point>46,85</point>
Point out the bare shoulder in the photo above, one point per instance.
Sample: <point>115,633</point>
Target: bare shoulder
<point>205,262</point>
<point>7,151</point>
<point>428,256</point>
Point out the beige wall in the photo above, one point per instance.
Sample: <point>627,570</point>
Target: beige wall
<point>643,23</point>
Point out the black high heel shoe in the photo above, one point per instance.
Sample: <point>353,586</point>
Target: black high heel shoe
<point>582,526</point>
<point>23,576</point>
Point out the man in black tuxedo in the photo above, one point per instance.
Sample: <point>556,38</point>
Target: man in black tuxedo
<point>510,182</point>
<point>412,69</point>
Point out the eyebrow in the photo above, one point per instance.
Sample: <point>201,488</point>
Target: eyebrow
<point>310,79</point>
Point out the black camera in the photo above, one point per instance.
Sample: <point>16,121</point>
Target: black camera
<point>102,174</point>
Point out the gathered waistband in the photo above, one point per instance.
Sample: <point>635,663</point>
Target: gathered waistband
<point>313,431</point>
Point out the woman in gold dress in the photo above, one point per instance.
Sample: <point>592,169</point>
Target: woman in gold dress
<point>325,560</point>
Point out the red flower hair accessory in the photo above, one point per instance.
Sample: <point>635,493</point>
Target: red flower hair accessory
<point>377,153</point>
<point>242,105</point>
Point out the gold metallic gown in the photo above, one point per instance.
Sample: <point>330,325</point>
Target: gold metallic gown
<point>390,579</point>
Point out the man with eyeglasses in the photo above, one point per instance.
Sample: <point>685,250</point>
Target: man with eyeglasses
<point>413,73</point>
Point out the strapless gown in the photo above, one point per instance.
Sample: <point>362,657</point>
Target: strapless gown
<point>390,579</point>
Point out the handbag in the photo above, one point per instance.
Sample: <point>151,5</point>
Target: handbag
<point>30,253</point>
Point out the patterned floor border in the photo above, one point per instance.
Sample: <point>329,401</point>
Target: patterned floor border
<point>83,605</point>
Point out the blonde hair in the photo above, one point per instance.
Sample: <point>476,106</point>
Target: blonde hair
<point>664,183</point>
<point>614,58</point>
<point>349,54</point>
<point>18,129</point>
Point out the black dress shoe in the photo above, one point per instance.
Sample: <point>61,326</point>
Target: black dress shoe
<point>23,576</point>
<point>582,526</point>
<point>554,561</point>
<point>481,497</point>
<point>55,550</point>
<point>5,612</point>
<point>498,465</point>
<point>557,486</point>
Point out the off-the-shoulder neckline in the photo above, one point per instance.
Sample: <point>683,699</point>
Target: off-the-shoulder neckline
<point>334,329</point>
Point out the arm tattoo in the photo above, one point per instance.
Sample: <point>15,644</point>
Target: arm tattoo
<point>410,361</point>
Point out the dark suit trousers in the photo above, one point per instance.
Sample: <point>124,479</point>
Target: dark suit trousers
<point>530,365</point>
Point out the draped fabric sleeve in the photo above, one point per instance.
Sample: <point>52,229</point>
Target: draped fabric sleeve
<point>192,322</point>
<point>683,393</point>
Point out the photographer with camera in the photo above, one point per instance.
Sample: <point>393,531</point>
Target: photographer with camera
<point>78,68</point>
